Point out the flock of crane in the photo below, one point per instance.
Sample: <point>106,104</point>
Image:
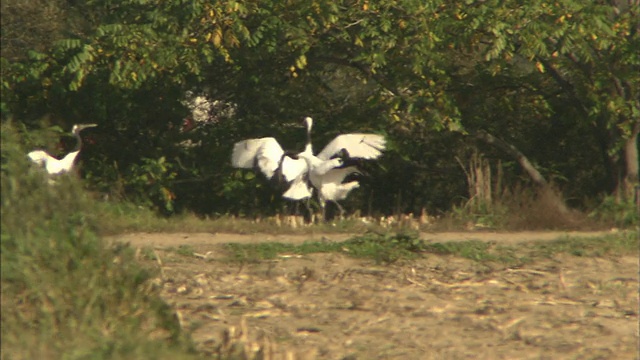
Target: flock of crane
<point>327,173</point>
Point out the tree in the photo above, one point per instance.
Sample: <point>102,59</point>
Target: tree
<point>585,54</point>
<point>539,76</point>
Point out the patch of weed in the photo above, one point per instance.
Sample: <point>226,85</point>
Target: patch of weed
<point>623,243</point>
<point>147,253</point>
<point>477,250</point>
<point>265,251</point>
<point>385,248</point>
<point>185,250</point>
<point>392,247</point>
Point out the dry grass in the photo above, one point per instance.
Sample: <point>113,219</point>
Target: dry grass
<point>330,306</point>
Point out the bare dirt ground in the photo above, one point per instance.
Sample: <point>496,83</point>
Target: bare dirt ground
<point>329,306</point>
<point>177,239</point>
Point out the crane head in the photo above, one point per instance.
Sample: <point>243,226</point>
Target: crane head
<point>78,127</point>
<point>308,122</point>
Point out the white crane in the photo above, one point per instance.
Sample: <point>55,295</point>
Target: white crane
<point>327,177</point>
<point>325,171</point>
<point>55,166</point>
<point>277,165</point>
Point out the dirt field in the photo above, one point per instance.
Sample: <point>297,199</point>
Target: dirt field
<point>329,306</point>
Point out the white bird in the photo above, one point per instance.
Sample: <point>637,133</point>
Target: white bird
<point>325,172</point>
<point>266,155</point>
<point>55,166</point>
<point>327,177</point>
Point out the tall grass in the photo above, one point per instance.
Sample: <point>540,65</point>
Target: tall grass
<point>66,294</point>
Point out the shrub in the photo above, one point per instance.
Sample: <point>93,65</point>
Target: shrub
<point>621,213</point>
<point>65,292</point>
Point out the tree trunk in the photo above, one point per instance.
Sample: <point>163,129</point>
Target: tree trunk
<point>631,178</point>
<point>535,175</point>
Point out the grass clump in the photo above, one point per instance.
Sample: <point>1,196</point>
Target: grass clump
<point>618,244</point>
<point>66,294</point>
<point>383,248</point>
<point>391,247</point>
<point>617,212</point>
<point>266,251</point>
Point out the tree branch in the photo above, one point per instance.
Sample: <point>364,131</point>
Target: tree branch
<point>515,153</point>
<point>552,195</point>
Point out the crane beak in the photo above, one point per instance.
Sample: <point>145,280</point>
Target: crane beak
<point>85,126</point>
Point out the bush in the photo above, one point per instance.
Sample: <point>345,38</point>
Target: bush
<point>621,213</point>
<point>65,292</point>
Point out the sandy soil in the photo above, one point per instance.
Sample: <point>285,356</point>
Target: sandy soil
<point>329,306</point>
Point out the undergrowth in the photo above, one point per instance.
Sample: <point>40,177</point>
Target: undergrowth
<point>389,248</point>
<point>122,217</point>
<point>622,213</point>
<point>381,248</point>
<point>66,294</point>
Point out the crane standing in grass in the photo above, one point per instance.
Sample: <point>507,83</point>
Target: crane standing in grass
<point>303,171</point>
<point>55,166</point>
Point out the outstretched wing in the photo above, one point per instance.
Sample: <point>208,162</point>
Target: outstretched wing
<point>53,165</point>
<point>39,157</point>
<point>298,190</point>
<point>364,146</point>
<point>292,169</point>
<point>265,153</point>
<point>64,165</point>
<point>338,175</point>
<point>327,165</point>
<point>333,183</point>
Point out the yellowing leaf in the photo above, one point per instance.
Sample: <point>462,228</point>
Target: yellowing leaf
<point>540,67</point>
<point>301,61</point>
<point>217,37</point>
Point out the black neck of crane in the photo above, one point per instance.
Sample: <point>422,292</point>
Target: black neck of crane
<point>78,140</point>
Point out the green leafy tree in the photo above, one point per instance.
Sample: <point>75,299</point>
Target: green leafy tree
<point>543,77</point>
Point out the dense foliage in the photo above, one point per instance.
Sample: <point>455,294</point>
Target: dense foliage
<point>557,80</point>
